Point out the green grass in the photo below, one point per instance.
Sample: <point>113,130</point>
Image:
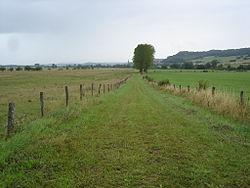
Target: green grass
<point>230,82</point>
<point>23,88</point>
<point>136,136</point>
<point>225,60</point>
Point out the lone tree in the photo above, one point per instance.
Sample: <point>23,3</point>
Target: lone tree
<point>143,57</point>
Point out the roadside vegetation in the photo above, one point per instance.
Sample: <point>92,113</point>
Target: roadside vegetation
<point>230,106</point>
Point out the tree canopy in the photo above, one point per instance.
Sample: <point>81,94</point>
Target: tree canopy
<point>143,57</point>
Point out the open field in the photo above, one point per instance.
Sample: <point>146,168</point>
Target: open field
<point>23,89</point>
<point>136,136</point>
<point>230,82</point>
<point>231,60</point>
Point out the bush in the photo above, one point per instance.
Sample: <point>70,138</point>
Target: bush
<point>2,68</point>
<point>19,69</point>
<point>38,68</point>
<point>203,84</point>
<point>27,68</point>
<point>164,83</point>
<point>148,78</point>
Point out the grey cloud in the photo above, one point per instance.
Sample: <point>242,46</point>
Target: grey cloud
<point>108,30</point>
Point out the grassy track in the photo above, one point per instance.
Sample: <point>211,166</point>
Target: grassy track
<point>134,137</point>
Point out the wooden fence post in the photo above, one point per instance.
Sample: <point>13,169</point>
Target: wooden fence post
<point>242,97</point>
<point>188,88</point>
<point>174,86</point>
<point>92,89</point>
<point>42,104</point>
<point>213,91</point>
<point>99,89</point>
<point>11,119</point>
<point>67,95</point>
<point>180,87</point>
<point>103,88</point>
<point>81,93</point>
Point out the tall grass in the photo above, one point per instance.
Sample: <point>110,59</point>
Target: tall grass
<point>221,102</point>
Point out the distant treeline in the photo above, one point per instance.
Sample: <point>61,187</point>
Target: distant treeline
<point>186,56</point>
<point>26,68</point>
<point>54,66</point>
<point>210,65</point>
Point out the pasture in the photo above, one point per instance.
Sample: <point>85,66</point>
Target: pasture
<point>135,136</point>
<point>229,82</point>
<point>233,61</point>
<point>23,88</point>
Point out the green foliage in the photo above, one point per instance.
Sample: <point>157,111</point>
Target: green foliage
<point>203,84</point>
<point>148,78</point>
<point>188,65</point>
<point>30,68</point>
<point>143,57</point>
<point>163,83</point>
<point>19,69</point>
<point>2,68</point>
<point>175,66</point>
<point>11,69</point>
<point>27,68</point>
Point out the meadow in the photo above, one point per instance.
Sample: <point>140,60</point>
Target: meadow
<point>23,88</point>
<point>135,136</point>
<point>229,82</point>
<point>233,61</point>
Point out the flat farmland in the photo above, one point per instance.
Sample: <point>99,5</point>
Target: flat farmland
<point>134,136</point>
<point>230,82</point>
<point>23,88</point>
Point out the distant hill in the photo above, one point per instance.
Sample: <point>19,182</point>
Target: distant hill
<point>185,56</point>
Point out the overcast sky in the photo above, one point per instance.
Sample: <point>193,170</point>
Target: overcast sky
<point>64,31</point>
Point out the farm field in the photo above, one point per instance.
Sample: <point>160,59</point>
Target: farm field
<point>231,60</point>
<point>23,88</point>
<point>136,136</point>
<point>230,82</point>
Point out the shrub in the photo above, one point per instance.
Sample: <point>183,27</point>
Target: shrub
<point>19,69</point>
<point>203,84</point>
<point>164,83</point>
<point>148,78</point>
<point>2,68</point>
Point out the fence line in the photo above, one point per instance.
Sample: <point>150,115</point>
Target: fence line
<point>12,108</point>
<point>225,104</point>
